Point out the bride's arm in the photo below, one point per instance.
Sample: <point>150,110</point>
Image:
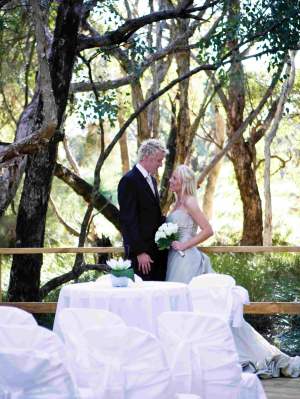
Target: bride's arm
<point>192,207</point>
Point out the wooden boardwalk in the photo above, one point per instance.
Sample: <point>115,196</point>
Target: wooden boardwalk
<point>282,388</point>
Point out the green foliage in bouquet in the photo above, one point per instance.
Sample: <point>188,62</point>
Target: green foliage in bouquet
<point>165,235</point>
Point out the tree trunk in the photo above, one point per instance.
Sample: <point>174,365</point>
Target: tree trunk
<point>12,175</point>
<point>159,70</point>
<point>285,91</point>
<point>183,118</point>
<point>165,195</point>
<point>123,145</point>
<point>143,132</point>
<point>25,272</point>
<point>210,188</point>
<point>242,154</point>
<point>242,160</point>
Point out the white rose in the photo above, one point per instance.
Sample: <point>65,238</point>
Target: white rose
<point>162,234</point>
<point>127,264</point>
<point>164,227</point>
<point>161,228</point>
<point>112,263</point>
<point>173,228</point>
<point>119,264</point>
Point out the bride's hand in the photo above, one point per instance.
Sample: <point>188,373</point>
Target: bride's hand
<point>178,246</point>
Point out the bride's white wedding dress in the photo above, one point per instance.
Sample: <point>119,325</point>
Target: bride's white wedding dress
<point>256,354</point>
<point>193,263</point>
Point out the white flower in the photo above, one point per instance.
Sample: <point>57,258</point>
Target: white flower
<point>160,234</point>
<point>173,228</point>
<point>168,228</point>
<point>119,264</point>
<point>112,263</point>
<point>163,234</point>
<point>167,231</point>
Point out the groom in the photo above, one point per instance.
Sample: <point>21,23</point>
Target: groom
<point>140,213</point>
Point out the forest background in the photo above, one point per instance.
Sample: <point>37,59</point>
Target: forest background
<point>83,83</point>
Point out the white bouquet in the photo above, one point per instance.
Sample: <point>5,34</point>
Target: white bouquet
<point>120,271</point>
<point>165,235</point>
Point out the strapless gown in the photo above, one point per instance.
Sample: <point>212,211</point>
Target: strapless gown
<point>256,354</point>
<point>194,262</point>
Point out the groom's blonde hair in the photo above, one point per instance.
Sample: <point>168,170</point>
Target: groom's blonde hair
<point>149,147</point>
<point>188,180</point>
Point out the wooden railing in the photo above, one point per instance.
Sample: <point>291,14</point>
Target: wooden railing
<point>253,308</point>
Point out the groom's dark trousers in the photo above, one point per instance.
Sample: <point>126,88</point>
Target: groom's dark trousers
<point>140,217</point>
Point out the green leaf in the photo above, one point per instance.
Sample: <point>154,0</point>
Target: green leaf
<point>123,273</point>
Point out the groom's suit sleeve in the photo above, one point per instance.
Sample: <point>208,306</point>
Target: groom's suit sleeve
<point>128,202</point>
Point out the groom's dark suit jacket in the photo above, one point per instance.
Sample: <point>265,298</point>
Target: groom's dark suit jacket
<point>140,217</point>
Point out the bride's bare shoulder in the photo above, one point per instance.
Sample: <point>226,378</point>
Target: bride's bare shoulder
<point>190,202</point>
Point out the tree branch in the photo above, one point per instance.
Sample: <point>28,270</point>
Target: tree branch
<point>116,83</point>
<point>70,158</point>
<point>238,133</point>
<point>69,228</point>
<point>220,91</point>
<point>174,47</point>
<point>260,129</point>
<point>49,105</point>
<point>125,31</point>
<point>4,2</point>
<point>28,145</point>
<point>69,276</point>
<point>84,189</point>
<point>282,161</point>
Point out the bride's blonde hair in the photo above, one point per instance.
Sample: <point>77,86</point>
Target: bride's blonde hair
<point>188,180</point>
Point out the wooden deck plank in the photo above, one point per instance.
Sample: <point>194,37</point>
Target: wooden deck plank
<point>282,388</point>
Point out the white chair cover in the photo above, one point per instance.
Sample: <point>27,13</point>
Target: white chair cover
<point>217,294</point>
<point>33,364</point>
<point>136,360</point>
<point>213,279</point>
<point>201,354</point>
<point>4,395</point>
<point>70,325</point>
<point>71,322</point>
<point>138,305</point>
<point>251,387</point>
<point>10,315</point>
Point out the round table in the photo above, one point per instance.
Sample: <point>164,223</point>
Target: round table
<point>138,305</point>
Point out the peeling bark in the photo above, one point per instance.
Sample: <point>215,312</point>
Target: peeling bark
<point>25,272</point>
<point>11,175</point>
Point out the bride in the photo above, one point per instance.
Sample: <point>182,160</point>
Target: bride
<point>185,261</point>
<point>188,216</point>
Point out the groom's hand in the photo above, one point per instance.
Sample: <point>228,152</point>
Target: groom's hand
<point>144,262</point>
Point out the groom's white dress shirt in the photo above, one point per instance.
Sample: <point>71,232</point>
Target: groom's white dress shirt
<point>147,176</point>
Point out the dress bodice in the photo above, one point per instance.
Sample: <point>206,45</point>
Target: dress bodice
<point>186,226</point>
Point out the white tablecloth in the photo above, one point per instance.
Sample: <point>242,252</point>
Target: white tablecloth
<point>138,305</point>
